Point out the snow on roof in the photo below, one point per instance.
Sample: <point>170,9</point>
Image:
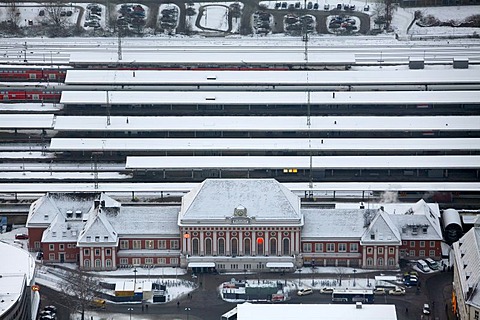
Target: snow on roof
<point>212,57</point>
<point>333,223</point>
<point>244,123</point>
<point>381,230</point>
<point>264,200</point>
<point>28,121</point>
<point>61,230</point>
<point>291,77</point>
<point>145,220</point>
<point>106,144</point>
<point>248,311</point>
<point>97,230</point>
<point>267,97</point>
<point>302,162</point>
<point>17,274</point>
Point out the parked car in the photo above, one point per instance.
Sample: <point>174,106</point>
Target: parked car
<point>426,309</point>
<point>21,236</point>
<point>326,290</point>
<point>380,291</point>
<point>398,291</point>
<point>423,266</point>
<point>52,309</point>
<point>410,281</point>
<point>432,264</point>
<point>305,291</point>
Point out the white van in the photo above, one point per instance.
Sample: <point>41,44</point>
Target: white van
<point>423,266</point>
<point>432,264</point>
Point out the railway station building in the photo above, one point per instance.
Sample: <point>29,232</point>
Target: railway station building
<point>230,224</point>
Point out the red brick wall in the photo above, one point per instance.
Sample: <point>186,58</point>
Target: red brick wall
<point>34,234</point>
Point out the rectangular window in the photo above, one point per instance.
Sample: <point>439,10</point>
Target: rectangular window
<point>51,256</point>
<point>148,260</point>
<point>431,253</point>
<point>136,261</point>
<point>37,244</point>
<point>391,250</point>
<point>342,247</point>
<point>123,244</point>
<point>51,247</point>
<point>97,252</point>
<point>105,238</point>
<point>97,238</point>
<point>380,250</point>
<point>161,261</point>
<point>369,250</point>
<point>61,247</point>
<point>412,253</point>
<point>307,247</point>
<point>108,252</point>
<point>318,247</point>
<point>422,244</point>
<point>162,244</point>
<point>353,247</point>
<point>404,243</point>
<point>422,253</point>
<point>174,244</point>
<point>330,247</point>
<point>477,315</point>
<point>412,244</point>
<point>137,244</point>
<point>86,252</point>
<point>174,261</point>
<point>89,238</point>
<point>123,260</point>
<point>149,244</point>
<point>432,244</point>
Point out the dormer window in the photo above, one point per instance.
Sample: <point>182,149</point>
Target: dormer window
<point>424,229</point>
<point>414,231</point>
<point>54,234</point>
<point>78,214</point>
<point>69,214</point>
<point>97,238</point>
<point>372,236</point>
<point>89,239</point>
<point>105,238</point>
<point>64,234</point>
<point>45,217</point>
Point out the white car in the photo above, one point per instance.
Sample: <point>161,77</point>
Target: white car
<point>398,291</point>
<point>380,291</point>
<point>304,292</point>
<point>326,290</point>
<point>426,309</point>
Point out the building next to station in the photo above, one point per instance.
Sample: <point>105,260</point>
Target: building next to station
<point>466,275</point>
<point>230,224</point>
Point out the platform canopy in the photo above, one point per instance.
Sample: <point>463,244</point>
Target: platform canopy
<point>279,264</point>
<point>201,264</point>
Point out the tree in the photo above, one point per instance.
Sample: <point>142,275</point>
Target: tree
<point>79,289</point>
<point>13,15</point>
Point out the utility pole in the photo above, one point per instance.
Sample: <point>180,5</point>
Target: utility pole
<point>108,109</point>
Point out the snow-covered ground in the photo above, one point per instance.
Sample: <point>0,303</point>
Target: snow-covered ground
<point>29,14</point>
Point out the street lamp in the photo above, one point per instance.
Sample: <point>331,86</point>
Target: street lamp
<point>135,277</point>
<point>130,311</point>
<point>299,274</point>
<point>313,272</point>
<point>354,272</point>
<point>187,309</point>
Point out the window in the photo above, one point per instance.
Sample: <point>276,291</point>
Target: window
<point>273,247</point>
<point>61,247</point>
<point>195,247</point>
<point>161,261</point>
<point>136,261</point>
<point>97,239</point>
<point>421,253</point>
<point>431,253</point>
<point>108,252</point>
<point>342,247</point>
<point>149,244</point>
<point>476,315</point>
<point>391,250</point>
<point>174,244</point>
<point>432,244</point>
<point>221,247</point>
<point>380,250</point>
<point>404,243</point>
<point>137,244</point>
<point>51,247</point>
<point>234,248</point>
<point>412,244</point>
<point>307,247</point>
<point>330,247</point>
<point>353,247</point>
<point>422,244</point>
<point>247,248</point>
<point>37,245</point>
<point>123,261</point>
<point>86,263</point>
<point>105,238</point>
<point>286,246</point>
<point>97,252</point>
<point>123,244</point>
<point>174,261</point>
<point>148,260</point>
<point>318,247</point>
<point>98,263</point>
<point>108,263</point>
<point>162,244</point>
<point>89,239</point>
<point>86,252</point>
<point>51,256</point>
<point>208,247</point>
<point>380,261</point>
<point>369,250</point>
<point>369,262</point>
<point>412,253</point>
<point>391,262</point>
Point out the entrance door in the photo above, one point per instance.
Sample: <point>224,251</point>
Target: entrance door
<point>62,257</point>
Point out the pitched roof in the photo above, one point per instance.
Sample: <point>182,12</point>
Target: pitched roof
<point>61,230</point>
<point>381,230</point>
<point>334,223</point>
<point>265,199</point>
<point>97,230</point>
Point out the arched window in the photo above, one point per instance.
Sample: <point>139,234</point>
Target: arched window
<point>260,244</point>
<point>273,246</point>
<point>380,261</point>
<point>247,247</point>
<point>221,247</point>
<point>286,246</point>
<point>369,262</point>
<point>391,261</point>
<point>98,264</point>
<point>86,263</point>
<point>108,263</point>
<point>234,244</point>
<point>195,247</point>
<point>208,247</point>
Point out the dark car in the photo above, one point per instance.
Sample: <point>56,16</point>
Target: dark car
<point>21,236</point>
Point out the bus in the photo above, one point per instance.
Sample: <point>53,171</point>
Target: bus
<point>352,296</point>
<point>230,315</point>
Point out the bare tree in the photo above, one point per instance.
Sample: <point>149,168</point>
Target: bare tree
<point>341,271</point>
<point>80,289</point>
<point>13,14</point>
<point>55,13</point>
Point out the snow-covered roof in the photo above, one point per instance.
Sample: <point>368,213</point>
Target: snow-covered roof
<point>333,223</point>
<point>17,275</point>
<point>98,231</point>
<point>381,231</point>
<point>282,123</point>
<point>248,311</point>
<point>260,201</point>
<point>291,77</point>
<point>26,121</point>
<point>227,98</point>
<point>288,144</point>
<point>302,162</point>
<point>61,230</point>
<point>258,57</point>
<point>467,263</point>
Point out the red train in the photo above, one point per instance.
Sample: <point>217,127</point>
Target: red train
<point>33,73</point>
<point>29,96</point>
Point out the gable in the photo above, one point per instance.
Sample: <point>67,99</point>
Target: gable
<point>381,231</point>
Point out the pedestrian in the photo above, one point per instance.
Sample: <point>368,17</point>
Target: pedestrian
<point>406,310</point>
<point>146,307</point>
<point>178,304</point>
